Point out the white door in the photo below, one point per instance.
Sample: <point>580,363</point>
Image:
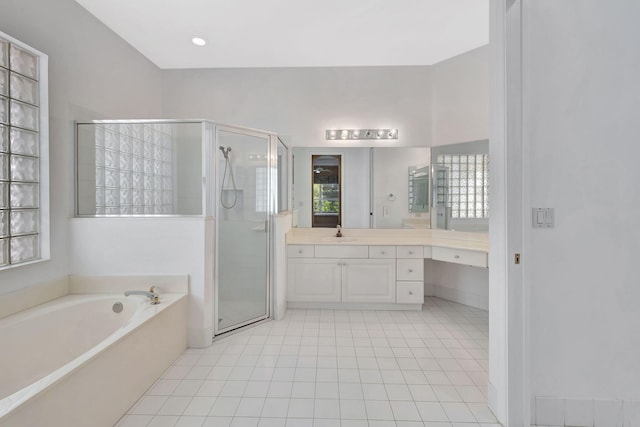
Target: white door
<point>311,279</point>
<point>368,280</point>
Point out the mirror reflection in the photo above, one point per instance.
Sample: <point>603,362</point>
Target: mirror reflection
<point>419,188</point>
<point>460,196</point>
<point>443,187</point>
<point>372,191</point>
<point>326,190</point>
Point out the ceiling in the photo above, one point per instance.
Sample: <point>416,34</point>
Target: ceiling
<point>296,33</point>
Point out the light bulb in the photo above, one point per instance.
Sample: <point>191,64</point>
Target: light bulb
<point>332,134</point>
<point>198,41</point>
<point>355,134</point>
<point>344,134</point>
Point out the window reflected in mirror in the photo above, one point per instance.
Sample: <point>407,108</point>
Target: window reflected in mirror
<point>326,190</point>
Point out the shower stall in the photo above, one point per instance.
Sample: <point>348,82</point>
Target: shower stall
<point>228,176</point>
<point>246,199</point>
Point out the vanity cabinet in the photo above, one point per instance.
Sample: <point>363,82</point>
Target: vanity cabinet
<point>336,280</point>
<point>368,280</point>
<point>314,280</point>
<point>376,274</point>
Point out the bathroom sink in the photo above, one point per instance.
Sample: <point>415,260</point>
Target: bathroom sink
<point>333,239</point>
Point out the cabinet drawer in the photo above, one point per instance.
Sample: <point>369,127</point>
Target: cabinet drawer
<point>410,269</point>
<point>460,256</point>
<point>410,252</point>
<point>410,292</point>
<point>342,251</point>
<point>382,251</point>
<point>300,251</point>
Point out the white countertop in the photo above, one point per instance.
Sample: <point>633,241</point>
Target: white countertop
<point>395,237</point>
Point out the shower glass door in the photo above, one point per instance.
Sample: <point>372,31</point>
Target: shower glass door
<point>242,221</point>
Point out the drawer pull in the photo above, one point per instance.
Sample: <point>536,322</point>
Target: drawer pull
<point>382,252</point>
<point>300,251</point>
<point>410,252</point>
<point>410,293</point>
<point>456,256</point>
<point>410,271</point>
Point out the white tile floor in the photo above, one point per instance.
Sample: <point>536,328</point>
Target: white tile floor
<point>332,368</point>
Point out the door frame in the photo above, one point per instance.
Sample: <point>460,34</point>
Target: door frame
<point>509,378</point>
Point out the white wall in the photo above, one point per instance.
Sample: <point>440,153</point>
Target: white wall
<point>581,118</point>
<point>301,103</point>
<point>92,74</point>
<point>460,96</point>
<point>391,176</point>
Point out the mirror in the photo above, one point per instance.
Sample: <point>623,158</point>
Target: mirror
<point>377,194</point>
<point>373,182</point>
<point>419,188</point>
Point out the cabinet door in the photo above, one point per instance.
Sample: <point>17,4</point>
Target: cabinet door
<point>311,279</point>
<point>371,280</point>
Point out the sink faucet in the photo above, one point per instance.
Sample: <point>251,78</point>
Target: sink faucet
<point>151,294</point>
<point>339,233</point>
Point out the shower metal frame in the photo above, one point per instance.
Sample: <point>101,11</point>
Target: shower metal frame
<point>272,203</point>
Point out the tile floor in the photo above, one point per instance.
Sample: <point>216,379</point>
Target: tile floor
<point>332,368</point>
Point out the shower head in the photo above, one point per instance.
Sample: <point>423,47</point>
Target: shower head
<point>225,151</point>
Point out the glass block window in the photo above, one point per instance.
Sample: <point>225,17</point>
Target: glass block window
<point>134,169</point>
<point>468,186</point>
<point>261,189</point>
<point>19,153</point>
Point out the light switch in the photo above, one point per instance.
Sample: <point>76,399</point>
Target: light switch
<point>386,211</point>
<point>542,217</point>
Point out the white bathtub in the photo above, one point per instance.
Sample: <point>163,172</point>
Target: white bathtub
<point>75,362</point>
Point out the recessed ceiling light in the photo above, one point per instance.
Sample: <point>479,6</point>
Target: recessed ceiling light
<point>198,41</point>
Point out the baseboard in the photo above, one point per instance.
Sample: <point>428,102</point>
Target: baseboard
<point>352,306</point>
<point>492,401</point>
<point>581,412</point>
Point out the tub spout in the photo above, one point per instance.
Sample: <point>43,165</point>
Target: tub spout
<point>154,297</point>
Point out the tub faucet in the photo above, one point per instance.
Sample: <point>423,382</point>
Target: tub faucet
<point>339,233</point>
<point>154,297</point>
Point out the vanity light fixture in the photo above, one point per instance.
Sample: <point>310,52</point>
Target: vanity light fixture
<point>356,134</point>
<point>198,41</point>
